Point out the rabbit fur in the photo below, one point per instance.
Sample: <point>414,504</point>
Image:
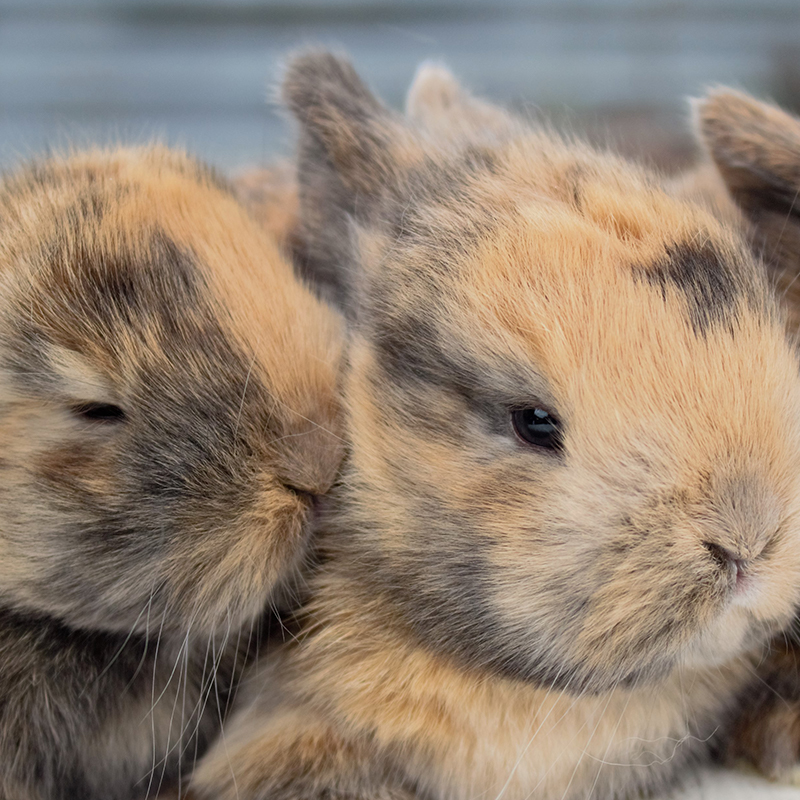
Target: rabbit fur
<point>751,172</point>
<point>168,410</point>
<point>493,616</point>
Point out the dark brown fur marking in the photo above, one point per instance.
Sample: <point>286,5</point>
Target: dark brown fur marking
<point>705,277</point>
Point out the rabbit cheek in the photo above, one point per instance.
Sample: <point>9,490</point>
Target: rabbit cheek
<point>242,563</point>
<point>59,494</point>
<point>81,474</point>
<point>640,620</point>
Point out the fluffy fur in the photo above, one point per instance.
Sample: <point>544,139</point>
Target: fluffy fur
<point>753,171</point>
<point>271,195</point>
<point>168,409</point>
<point>494,618</point>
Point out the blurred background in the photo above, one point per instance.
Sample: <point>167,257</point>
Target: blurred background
<point>197,72</point>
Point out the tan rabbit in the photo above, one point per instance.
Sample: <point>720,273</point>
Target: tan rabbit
<point>168,410</point>
<point>753,171</point>
<point>569,523</point>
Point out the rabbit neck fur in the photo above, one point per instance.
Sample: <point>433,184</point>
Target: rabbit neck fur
<point>362,703</point>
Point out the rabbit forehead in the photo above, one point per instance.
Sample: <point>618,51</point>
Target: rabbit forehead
<point>149,230</point>
<point>544,216</point>
<point>545,282</point>
<point>547,272</point>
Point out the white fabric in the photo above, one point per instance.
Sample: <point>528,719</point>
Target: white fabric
<point>728,785</point>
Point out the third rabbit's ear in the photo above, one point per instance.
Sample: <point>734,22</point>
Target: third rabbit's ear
<point>438,103</point>
<point>352,149</point>
<point>756,148</point>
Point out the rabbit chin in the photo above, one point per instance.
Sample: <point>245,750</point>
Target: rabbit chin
<point>737,631</point>
<point>728,637</point>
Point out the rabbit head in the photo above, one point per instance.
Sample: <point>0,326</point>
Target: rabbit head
<point>168,400</point>
<point>574,415</point>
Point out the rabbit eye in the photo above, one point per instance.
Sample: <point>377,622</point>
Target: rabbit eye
<point>537,426</point>
<point>99,412</point>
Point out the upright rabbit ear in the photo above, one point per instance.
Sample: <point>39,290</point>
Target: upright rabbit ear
<point>351,149</point>
<point>756,148</point>
<point>352,129</point>
<point>438,103</point>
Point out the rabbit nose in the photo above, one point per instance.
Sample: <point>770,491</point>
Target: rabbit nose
<point>743,517</point>
<point>731,562</point>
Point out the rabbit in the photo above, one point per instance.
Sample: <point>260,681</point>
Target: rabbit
<point>752,172</point>
<point>568,523</point>
<point>169,412</point>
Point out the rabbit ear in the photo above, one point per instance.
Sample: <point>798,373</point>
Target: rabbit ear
<point>756,148</point>
<point>351,150</point>
<point>437,102</point>
<point>360,138</point>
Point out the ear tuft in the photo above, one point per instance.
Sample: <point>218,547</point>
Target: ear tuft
<point>316,79</point>
<point>335,108</point>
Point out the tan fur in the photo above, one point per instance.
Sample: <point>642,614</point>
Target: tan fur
<point>755,151</point>
<point>168,410</point>
<point>439,104</point>
<point>501,619</point>
<point>753,172</point>
<point>271,194</point>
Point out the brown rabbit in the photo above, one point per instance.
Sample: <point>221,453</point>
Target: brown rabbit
<point>570,519</point>
<point>168,409</point>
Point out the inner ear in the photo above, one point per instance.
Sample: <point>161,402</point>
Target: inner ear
<point>437,102</point>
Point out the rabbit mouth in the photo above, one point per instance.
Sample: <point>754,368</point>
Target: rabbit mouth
<point>711,650</point>
<point>601,665</point>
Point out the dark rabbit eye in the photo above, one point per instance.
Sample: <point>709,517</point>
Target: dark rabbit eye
<point>99,412</point>
<point>537,426</point>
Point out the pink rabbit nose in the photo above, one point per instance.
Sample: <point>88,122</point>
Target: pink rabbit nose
<point>730,562</point>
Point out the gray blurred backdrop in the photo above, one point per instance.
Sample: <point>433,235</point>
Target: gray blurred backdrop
<point>197,72</point>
